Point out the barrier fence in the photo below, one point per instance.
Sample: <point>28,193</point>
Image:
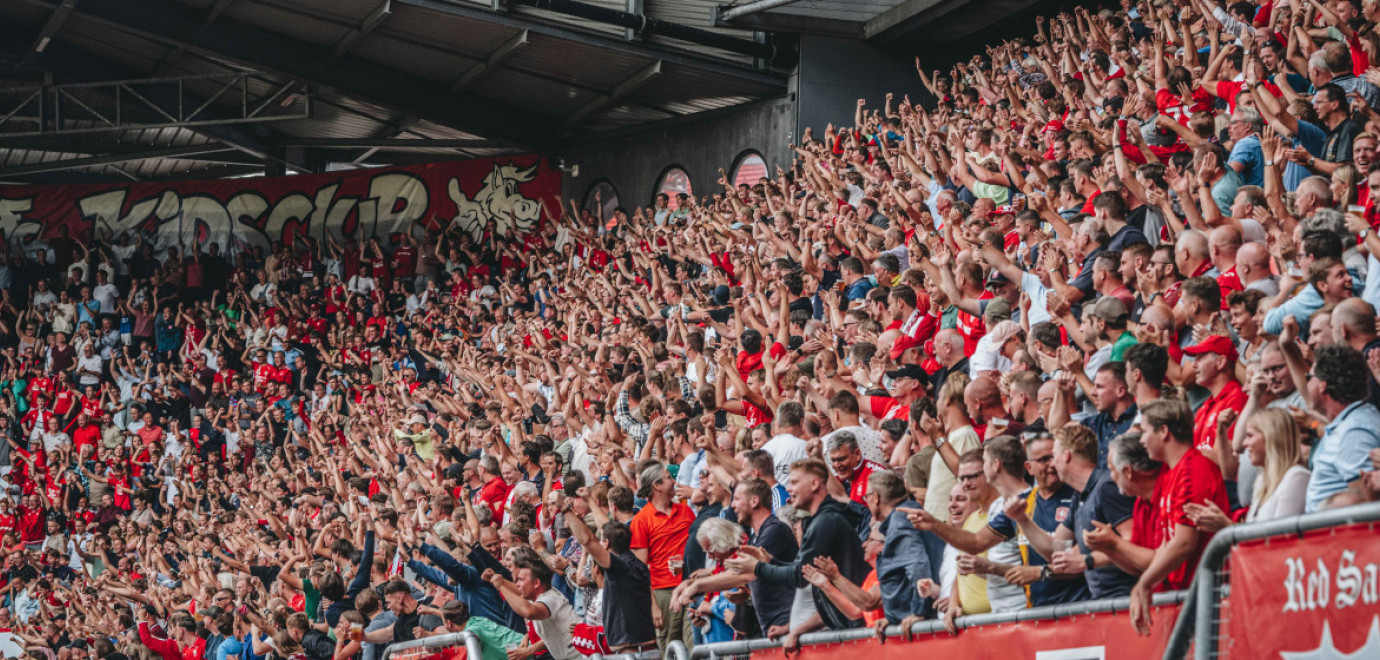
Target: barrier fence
<point>429,645</point>
<point>1085,630</point>
<point>1305,586</point>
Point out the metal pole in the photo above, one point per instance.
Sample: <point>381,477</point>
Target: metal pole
<point>738,11</point>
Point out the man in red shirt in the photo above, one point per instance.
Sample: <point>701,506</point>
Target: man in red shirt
<point>1215,369</point>
<point>495,490</point>
<point>1189,478</point>
<point>847,463</point>
<point>659,533</point>
<point>184,645</point>
<point>32,522</point>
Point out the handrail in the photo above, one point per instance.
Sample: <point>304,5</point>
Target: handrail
<point>473,648</point>
<point>1048,613</point>
<point>1203,606</point>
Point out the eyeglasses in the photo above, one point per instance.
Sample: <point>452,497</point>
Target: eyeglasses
<point>1043,459</point>
<point>969,477</point>
<point>1275,369</point>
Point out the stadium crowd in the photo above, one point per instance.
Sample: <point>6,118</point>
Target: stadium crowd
<point>1034,341</point>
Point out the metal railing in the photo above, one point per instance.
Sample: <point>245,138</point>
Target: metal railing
<point>1048,613</point>
<point>473,649</point>
<point>1200,620</point>
<point>676,650</point>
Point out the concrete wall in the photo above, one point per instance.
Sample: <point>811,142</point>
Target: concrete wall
<point>834,73</point>
<point>633,162</point>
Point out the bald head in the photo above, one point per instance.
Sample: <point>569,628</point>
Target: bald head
<point>1158,316</point>
<point>1195,243</point>
<point>1224,242</point>
<point>1252,262</point>
<point>984,392</point>
<point>1353,323</point>
<point>948,347</point>
<point>1313,193</point>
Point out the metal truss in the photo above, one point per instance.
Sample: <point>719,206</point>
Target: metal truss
<point>119,105</point>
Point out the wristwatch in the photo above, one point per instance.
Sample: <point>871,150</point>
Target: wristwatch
<point>939,441</point>
<point>1046,573</point>
<point>1088,562</point>
<point>1269,163</point>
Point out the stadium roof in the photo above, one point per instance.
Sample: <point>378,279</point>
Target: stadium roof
<point>107,90</point>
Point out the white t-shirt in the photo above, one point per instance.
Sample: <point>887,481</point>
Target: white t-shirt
<point>92,363</point>
<point>1039,297</point>
<point>785,449</point>
<point>555,630</point>
<point>1004,596</point>
<point>107,295</point>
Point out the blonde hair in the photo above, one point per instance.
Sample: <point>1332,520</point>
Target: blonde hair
<point>1282,451</point>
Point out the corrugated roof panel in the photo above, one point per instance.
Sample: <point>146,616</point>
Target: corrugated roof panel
<point>445,30</point>
<point>287,21</point>
<point>578,63</point>
<point>695,13</point>
<point>590,26</point>
<point>521,90</point>
<point>350,10</point>
<point>842,10</point>
<point>427,62</point>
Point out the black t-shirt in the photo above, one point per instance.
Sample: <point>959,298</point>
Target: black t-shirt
<point>773,602</point>
<point>628,618</point>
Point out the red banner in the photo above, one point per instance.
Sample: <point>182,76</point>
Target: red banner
<point>249,212</point>
<point>1088,637</point>
<point>1306,597</point>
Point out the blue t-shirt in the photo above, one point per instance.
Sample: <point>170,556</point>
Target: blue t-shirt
<point>1102,501</point>
<point>858,290</point>
<point>719,630</point>
<point>1311,138</point>
<point>1248,152</point>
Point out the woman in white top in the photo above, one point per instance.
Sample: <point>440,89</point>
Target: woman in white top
<point>1272,443</point>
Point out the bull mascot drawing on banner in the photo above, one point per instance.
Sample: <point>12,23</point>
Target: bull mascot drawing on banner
<point>497,200</point>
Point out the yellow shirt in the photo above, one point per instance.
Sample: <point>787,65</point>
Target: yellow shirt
<point>972,589</point>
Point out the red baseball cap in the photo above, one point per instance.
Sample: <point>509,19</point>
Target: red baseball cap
<point>1214,344</point>
<point>902,344</point>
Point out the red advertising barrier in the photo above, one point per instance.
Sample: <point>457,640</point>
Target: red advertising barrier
<point>248,212</point>
<point>1085,637</point>
<point>1313,596</point>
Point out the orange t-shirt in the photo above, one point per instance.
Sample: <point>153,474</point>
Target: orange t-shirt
<point>663,536</point>
<point>871,617</point>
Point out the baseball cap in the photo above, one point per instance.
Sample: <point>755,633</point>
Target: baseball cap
<point>1109,309</point>
<point>996,278</point>
<point>998,310</point>
<point>1053,125</point>
<point>1214,344</point>
<point>907,371</point>
<point>720,295</point>
<point>902,344</point>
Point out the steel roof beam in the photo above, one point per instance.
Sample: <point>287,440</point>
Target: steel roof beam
<point>262,49</point>
<point>730,12</point>
<point>613,96</point>
<point>109,159</point>
<point>679,57</point>
<point>489,63</point>
<point>389,144</point>
<point>71,64</point>
<point>50,30</point>
<point>379,15</point>
<point>216,10</point>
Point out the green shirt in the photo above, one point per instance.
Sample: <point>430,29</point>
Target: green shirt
<point>311,598</point>
<point>493,638</point>
<point>1125,341</point>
